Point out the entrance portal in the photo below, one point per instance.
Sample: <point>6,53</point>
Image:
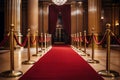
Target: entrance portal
<point>59,35</point>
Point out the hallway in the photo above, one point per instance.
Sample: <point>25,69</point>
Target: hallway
<point>21,55</point>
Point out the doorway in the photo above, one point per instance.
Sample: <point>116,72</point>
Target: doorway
<point>60,23</point>
<point>59,31</point>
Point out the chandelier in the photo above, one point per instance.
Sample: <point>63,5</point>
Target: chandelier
<point>59,2</point>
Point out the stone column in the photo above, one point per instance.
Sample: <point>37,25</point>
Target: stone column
<point>45,16</point>
<point>8,15</point>
<point>18,19</point>
<point>33,18</point>
<point>80,16</point>
<point>94,14</point>
<point>73,18</point>
<point>12,16</point>
<point>40,28</point>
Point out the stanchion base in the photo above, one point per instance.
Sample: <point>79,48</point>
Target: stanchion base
<point>37,54</point>
<point>110,73</point>
<point>92,61</point>
<point>29,62</point>
<point>11,73</point>
<point>83,54</point>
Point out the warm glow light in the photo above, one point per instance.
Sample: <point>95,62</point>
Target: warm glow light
<point>116,23</point>
<point>59,2</point>
<point>102,17</point>
<point>76,12</point>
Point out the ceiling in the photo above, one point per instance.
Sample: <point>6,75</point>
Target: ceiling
<point>103,1</point>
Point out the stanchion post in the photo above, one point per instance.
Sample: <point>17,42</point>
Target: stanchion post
<point>85,42</point>
<point>80,35</point>
<point>108,72</point>
<point>50,39</point>
<point>84,51</point>
<point>41,42</point>
<point>37,45</point>
<point>77,40</point>
<point>72,39</point>
<point>45,36</point>
<point>92,60</point>
<point>11,72</point>
<point>29,61</point>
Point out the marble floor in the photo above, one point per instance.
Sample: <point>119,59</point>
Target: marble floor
<point>20,55</point>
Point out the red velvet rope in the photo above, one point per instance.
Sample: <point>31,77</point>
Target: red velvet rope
<point>77,39</point>
<point>80,38</point>
<point>23,44</point>
<point>74,39</point>
<point>100,42</point>
<point>3,41</point>
<point>48,39</point>
<point>41,39</point>
<point>33,41</point>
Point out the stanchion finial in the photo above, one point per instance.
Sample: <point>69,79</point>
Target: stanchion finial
<point>108,25</point>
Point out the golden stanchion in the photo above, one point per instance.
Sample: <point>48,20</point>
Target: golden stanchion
<point>45,41</point>
<point>92,60</point>
<point>11,72</point>
<point>29,56</point>
<point>85,42</point>
<point>77,40</point>
<point>74,40</point>
<point>85,45</point>
<point>108,72</point>
<point>37,54</point>
<point>80,44</point>
<point>71,39</point>
<point>50,40</point>
<point>41,42</point>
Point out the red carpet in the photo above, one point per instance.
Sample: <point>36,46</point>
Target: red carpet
<point>61,63</point>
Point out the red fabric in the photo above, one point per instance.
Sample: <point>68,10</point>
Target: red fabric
<point>53,15</point>
<point>61,63</point>
<point>66,18</point>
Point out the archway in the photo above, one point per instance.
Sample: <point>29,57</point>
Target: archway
<point>65,12</point>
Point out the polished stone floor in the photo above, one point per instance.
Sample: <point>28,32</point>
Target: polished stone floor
<point>20,55</point>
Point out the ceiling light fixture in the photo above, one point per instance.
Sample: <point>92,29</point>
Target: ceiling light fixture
<point>59,2</point>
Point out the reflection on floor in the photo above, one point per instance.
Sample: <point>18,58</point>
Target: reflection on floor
<point>21,55</point>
